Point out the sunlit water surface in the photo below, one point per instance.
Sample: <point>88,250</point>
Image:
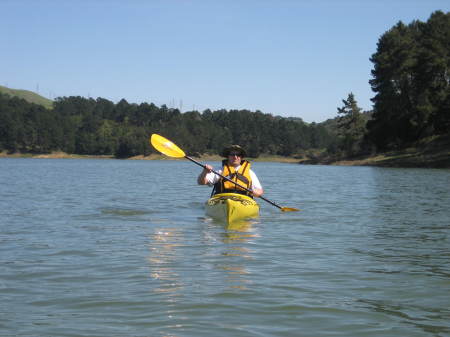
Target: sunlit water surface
<point>123,248</point>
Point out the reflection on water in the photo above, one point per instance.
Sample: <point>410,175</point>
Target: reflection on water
<point>163,255</point>
<point>244,230</point>
<point>237,276</point>
<point>167,256</point>
<point>237,238</point>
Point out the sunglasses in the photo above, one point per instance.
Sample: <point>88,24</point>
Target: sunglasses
<point>232,154</point>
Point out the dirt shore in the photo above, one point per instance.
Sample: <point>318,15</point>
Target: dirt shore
<point>430,154</point>
<point>203,158</point>
<point>406,160</point>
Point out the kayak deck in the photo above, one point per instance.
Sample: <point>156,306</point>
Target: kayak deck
<point>231,207</point>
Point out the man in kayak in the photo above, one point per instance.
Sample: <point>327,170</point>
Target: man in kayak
<point>236,168</point>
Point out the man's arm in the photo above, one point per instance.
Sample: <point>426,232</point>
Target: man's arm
<point>256,185</point>
<point>202,179</point>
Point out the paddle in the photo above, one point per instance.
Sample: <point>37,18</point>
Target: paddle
<point>168,148</point>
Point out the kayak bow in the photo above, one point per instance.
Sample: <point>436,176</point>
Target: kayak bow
<point>231,207</point>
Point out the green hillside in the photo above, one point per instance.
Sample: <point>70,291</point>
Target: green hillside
<point>27,95</point>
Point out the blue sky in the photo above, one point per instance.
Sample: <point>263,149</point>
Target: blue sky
<point>288,58</point>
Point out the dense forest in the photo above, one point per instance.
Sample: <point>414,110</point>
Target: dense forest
<point>99,127</point>
<point>410,79</point>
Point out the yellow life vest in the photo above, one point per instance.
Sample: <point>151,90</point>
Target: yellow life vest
<point>241,176</point>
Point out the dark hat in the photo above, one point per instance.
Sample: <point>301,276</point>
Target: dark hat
<point>233,148</point>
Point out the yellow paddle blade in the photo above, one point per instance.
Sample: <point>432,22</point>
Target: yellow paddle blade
<point>289,209</point>
<point>165,146</point>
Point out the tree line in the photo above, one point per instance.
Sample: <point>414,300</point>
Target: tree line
<point>100,127</point>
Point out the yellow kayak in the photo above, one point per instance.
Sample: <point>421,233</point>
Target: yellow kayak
<point>231,207</point>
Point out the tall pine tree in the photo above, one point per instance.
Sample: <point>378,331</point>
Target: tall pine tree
<point>351,125</point>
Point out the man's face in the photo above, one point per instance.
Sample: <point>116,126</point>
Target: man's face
<point>234,158</point>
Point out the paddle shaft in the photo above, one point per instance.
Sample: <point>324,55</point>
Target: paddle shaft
<point>234,182</point>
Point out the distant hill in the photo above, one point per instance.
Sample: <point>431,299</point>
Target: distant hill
<point>27,95</point>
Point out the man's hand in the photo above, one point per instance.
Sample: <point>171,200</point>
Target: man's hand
<point>257,192</point>
<point>201,180</point>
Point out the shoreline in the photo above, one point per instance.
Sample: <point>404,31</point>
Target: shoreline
<point>400,159</point>
<point>395,159</point>
<point>431,152</point>
<point>63,155</point>
<point>412,160</point>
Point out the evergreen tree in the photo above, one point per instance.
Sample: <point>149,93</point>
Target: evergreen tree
<point>393,73</point>
<point>412,83</point>
<point>351,125</point>
<point>433,75</point>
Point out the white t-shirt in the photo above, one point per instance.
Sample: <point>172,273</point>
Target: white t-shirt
<point>213,178</point>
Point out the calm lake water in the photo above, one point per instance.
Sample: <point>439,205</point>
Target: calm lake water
<point>123,248</point>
